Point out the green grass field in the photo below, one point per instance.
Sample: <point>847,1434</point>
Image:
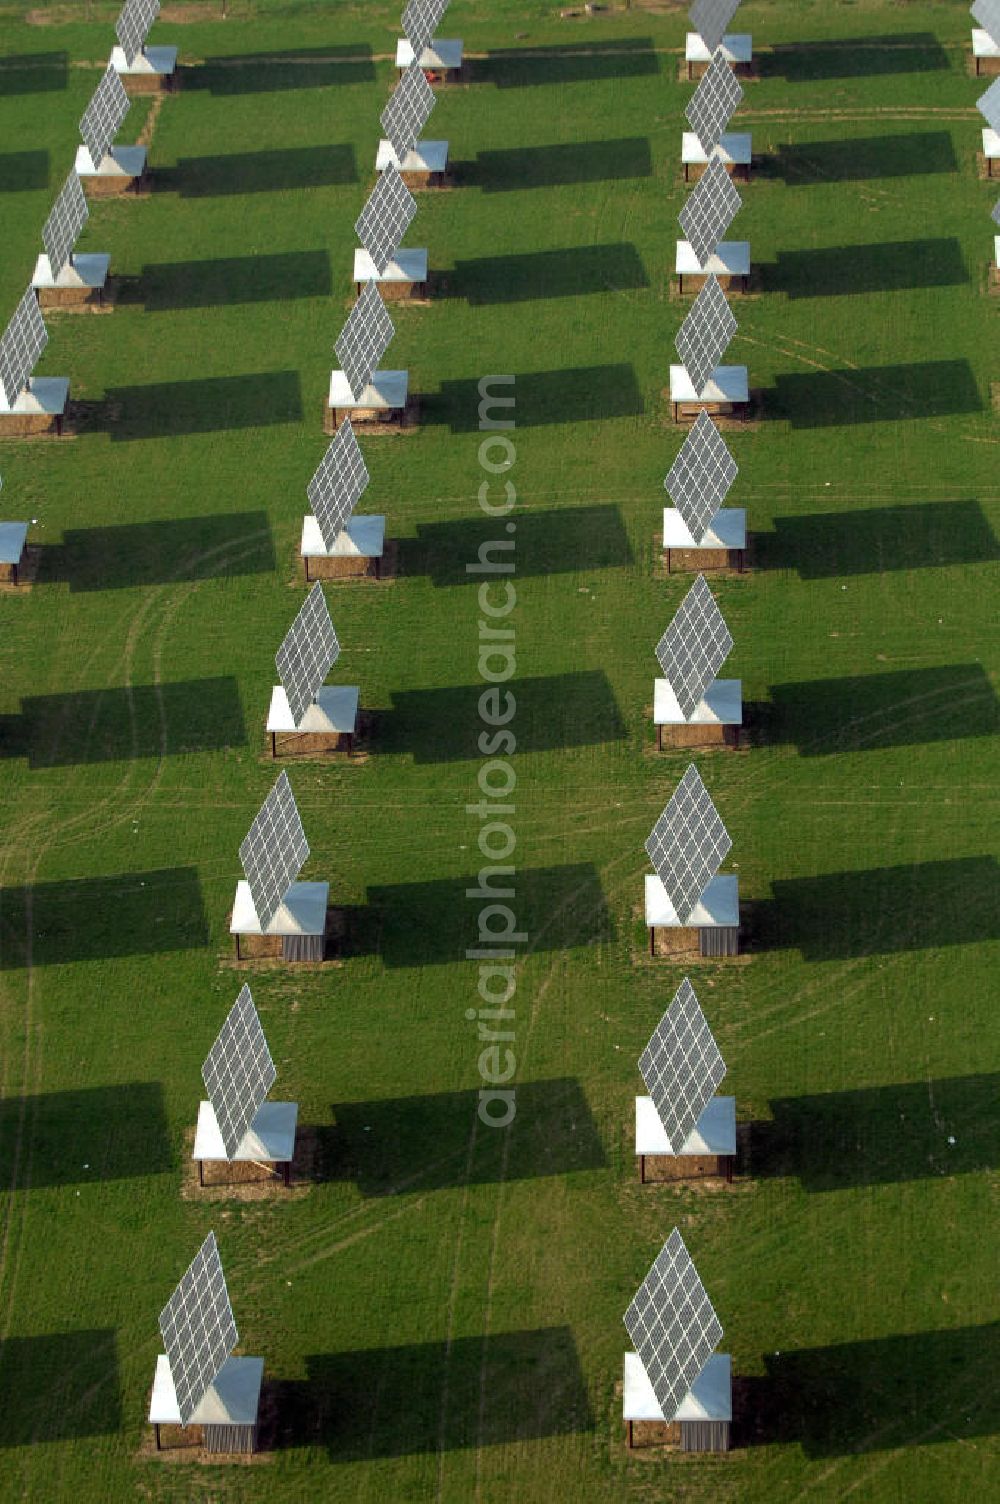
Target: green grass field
<point>440,1307</point>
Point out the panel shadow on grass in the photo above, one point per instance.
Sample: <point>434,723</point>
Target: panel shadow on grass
<point>214,404</point>
<point>277,72</point>
<point>882,911</point>
<point>59,1386</point>
<point>427,1397</point>
<point>859,158</point>
<point>854,57</point>
<point>576,63</point>
<point>879,1395</point>
<point>874,394</point>
<point>33,73</point>
<point>887,266</point>
<point>118,724</point>
<point>280,171</point>
<point>553,711</point>
<point>566,540</point>
<point>170,551</point>
<point>94,1133</point>
<point>880,1135</point>
<point>866,712</point>
<point>433,923</point>
<point>23,171</point>
<point>873,540</point>
<point>579,394</point>
<point>390,1146</point>
<point>570,273</point>
<point>94,918</point>
<point>519,167</point>
<point>279,278</point>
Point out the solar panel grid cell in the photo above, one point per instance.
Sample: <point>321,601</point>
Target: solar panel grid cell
<point>687,844</point>
<point>23,341</point>
<point>694,647</point>
<point>701,477</point>
<point>198,1328</point>
<point>713,103</point>
<point>706,333</point>
<point>308,652</point>
<point>274,851</point>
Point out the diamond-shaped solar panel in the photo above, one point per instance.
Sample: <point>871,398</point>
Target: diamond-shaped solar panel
<point>672,1325</point>
<point>274,850</point>
<point>681,1066</point>
<point>132,26</point>
<point>711,107</point>
<point>694,647</point>
<point>103,116</point>
<point>338,484</point>
<point>383,221</point>
<point>706,333</point>
<point>687,843</point>
<point>709,210</point>
<point>987,13</point>
<point>421,19</point>
<point>308,653</point>
<point>364,339</point>
<point>198,1328</point>
<point>989,105</point>
<point>405,116</point>
<point>23,341</point>
<point>700,478</point>
<point>995,215</point>
<point>711,18</point>
<point>238,1072</point>
<point>68,217</point>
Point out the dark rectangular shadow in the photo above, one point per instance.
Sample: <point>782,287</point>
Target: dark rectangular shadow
<point>280,171</point>
<point>434,923</point>
<point>278,72</point>
<point>570,273</point>
<point>118,723</point>
<point>875,540</point>
<point>575,63</point>
<point>866,712</point>
<point>427,1397</point>
<point>94,1133</point>
<point>518,167</point>
<point>278,278</point>
<point>95,918</point>
<point>213,404</point>
<point>880,1135</point>
<point>425,1143</point>
<point>160,553</point>
<point>854,57</point>
<point>33,73</point>
<point>565,540</point>
<point>874,394</point>
<point>59,1386</point>
<point>887,266</point>
<point>855,159</point>
<point>878,1395</point>
<point>880,912</point>
<point>580,394</point>
<point>23,171</point>
<point>550,712</point>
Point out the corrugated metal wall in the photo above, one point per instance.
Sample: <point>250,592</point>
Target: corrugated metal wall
<point>723,941</point>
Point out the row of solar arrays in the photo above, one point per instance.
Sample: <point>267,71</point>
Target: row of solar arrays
<point>670,1321</point>
<point>987,13</point>
<point>25,336</point>
<point>197,1324</point>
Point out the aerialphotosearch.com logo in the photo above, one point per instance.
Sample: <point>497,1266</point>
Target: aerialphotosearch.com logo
<point>497,932</point>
